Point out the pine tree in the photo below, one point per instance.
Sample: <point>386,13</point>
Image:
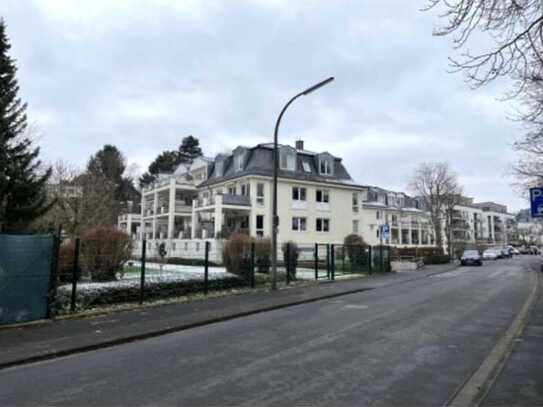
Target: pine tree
<point>190,147</point>
<point>22,186</point>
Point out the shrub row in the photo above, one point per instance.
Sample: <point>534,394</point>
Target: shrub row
<point>437,259</point>
<point>237,255</point>
<point>91,295</point>
<point>181,261</point>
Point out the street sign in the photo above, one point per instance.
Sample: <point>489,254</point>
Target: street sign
<point>385,231</point>
<point>536,202</point>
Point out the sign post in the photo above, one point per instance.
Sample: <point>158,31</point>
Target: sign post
<point>536,202</point>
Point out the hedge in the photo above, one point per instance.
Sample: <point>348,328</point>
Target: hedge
<point>91,295</point>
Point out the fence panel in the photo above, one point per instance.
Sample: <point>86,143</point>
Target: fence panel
<point>381,256</point>
<point>351,259</point>
<point>25,273</point>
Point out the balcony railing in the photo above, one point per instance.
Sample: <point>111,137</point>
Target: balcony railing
<point>227,199</point>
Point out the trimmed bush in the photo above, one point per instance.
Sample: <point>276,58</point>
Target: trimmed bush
<point>91,295</point>
<point>104,250</point>
<point>437,259</point>
<point>290,257</point>
<point>65,262</point>
<point>262,255</point>
<point>236,254</point>
<point>181,261</point>
<point>355,249</point>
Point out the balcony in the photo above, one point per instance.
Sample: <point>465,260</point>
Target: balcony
<point>227,199</point>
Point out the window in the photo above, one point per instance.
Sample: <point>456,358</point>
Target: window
<point>377,233</point>
<point>260,193</point>
<point>323,225</point>
<point>299,224</point>
<point>219,165</point>
<point>298,194</point>
<point>394,219</point>
<point>245,189</point>
<point>307,167</point>
<point>232,189</point>
<point>322,195</point>
<point>287,159</point>
<point>173,246</point>
<point>377,214</point>
<point>260,225</point>
<point>186,246</point>
<point>355,201</point>
<point>325,166</point>
<point>355,226</point>
<point>239,162</point>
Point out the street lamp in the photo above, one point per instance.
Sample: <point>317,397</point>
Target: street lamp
<point>275,218</point>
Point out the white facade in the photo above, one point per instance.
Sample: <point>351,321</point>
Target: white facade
<point>318,202</point>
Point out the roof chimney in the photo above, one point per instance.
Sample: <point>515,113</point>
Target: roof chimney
<point>299,144</point>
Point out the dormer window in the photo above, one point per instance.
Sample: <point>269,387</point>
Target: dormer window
<point>326,164</point>
<point>326,168</point>
<point>287,158</point>
<point>239,162</point>
<point>239,158</point>
<point>219,167</point>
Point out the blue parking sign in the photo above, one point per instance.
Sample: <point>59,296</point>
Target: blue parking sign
<point>536,202</point>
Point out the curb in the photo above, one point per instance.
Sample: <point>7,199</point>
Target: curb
<point>165,331</point>
<point>474,390</point>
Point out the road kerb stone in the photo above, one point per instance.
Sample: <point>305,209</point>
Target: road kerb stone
<point>476,387</point>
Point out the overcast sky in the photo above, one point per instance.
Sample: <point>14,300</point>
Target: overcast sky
<point>142,74</point>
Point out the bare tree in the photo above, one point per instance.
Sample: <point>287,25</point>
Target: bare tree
<point>515,28</point>
<point>436,184</point>
<point>81,201</point>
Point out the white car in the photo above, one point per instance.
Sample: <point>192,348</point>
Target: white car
<point>490,254</point>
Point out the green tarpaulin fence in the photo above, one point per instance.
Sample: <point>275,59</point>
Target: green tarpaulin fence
<point>25,270</point>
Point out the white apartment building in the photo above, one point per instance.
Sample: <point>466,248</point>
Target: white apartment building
<point>318,202</point>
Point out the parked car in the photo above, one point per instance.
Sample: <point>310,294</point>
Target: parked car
<point>490,254</point>
<point>534,250</point>
<point>471,257</point>
<point>506,253</point>
<point>516,251</point>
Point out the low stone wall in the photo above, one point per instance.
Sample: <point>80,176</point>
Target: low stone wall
<point>399,266</point>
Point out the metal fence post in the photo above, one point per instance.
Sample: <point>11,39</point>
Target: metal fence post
<point>370,260</point>
<point>287,261</point>
<point>333,261</point>
<point>75,274</point>
<point>328,260</point>
<point>206,268</point>
<point>252,264</point>
<point>316,261</point>
<point>382,265</point>
<point>142,279</point>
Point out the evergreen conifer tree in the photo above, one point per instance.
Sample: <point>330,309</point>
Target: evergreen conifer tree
<point>22,184</point>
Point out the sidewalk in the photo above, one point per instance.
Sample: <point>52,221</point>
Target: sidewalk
<point>64,337</point>
<point>520,383</point>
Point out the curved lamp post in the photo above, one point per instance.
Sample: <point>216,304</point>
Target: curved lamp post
<point>275,218</point>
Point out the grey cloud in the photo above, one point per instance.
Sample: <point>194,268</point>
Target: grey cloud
<point>144,74</point>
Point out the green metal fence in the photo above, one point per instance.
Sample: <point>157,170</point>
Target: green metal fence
<point>25,277</point>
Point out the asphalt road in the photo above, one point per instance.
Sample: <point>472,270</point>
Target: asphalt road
<point>413,343</point>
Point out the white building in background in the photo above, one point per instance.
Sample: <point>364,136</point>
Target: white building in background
<point>319,202</point>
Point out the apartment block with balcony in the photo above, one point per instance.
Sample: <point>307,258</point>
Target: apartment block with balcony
<point>409,224</point>
<point>318,202</point>
<point>317,199</point>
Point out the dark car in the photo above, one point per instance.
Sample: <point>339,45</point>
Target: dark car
<point>471,257</point>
